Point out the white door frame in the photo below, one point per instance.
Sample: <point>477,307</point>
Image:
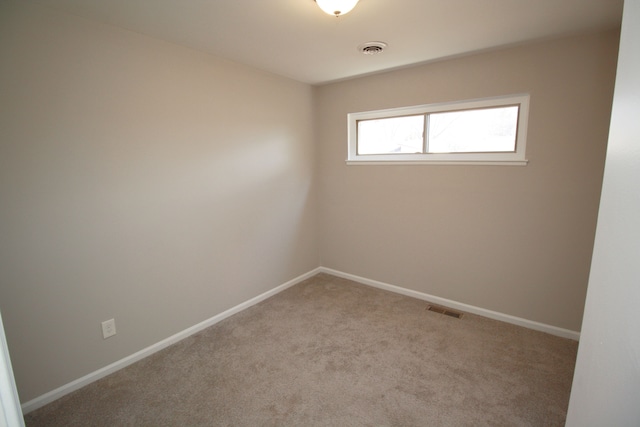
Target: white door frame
<point>10,411</point>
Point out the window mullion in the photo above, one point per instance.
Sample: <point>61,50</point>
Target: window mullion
<point>425,134</point>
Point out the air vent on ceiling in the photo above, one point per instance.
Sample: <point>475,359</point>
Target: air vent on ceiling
<point>445,311</point>
<point>372,48</point>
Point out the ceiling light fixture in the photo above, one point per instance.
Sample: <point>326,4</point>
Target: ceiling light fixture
<point>336,7</point>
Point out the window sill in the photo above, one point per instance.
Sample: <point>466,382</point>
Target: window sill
<point>438,162</point>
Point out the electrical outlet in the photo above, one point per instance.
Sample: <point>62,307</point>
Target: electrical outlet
<point>108,328</point>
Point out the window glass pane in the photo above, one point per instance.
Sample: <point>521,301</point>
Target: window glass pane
<point>473,131</point>
<point>390,136</point>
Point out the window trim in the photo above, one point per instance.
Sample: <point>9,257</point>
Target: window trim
<point>515,158</point>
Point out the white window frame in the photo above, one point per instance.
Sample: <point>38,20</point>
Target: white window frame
<point>516,157</point>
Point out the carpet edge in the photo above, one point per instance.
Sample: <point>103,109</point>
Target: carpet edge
<point>507,318</point>
<point>72,386</point>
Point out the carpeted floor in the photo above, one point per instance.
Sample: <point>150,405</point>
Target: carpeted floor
<point>331,352</point>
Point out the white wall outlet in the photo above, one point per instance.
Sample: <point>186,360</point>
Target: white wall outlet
<point>108,328</point>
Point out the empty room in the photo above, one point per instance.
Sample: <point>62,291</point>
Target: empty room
<point>331,212</point>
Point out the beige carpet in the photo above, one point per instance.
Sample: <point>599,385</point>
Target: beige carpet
<point>330,352</point>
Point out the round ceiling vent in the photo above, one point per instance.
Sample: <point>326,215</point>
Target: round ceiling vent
<point>372,48</point>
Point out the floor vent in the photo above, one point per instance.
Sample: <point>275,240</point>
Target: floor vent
<point>445,311</point>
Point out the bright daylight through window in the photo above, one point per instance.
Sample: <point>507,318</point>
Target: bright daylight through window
<point>485,131</point>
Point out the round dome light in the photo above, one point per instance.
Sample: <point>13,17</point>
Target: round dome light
<point>337,7</point>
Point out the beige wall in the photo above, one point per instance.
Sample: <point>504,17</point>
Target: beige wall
<point>141,181</point>
<point>516,240</point>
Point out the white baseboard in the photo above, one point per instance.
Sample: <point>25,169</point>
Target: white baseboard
<point>122,363</point>
<point>530,324</point>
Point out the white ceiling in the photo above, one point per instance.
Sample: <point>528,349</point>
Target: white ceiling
<point>294,38</point>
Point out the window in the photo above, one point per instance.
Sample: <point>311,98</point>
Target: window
<point>485,131</point>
